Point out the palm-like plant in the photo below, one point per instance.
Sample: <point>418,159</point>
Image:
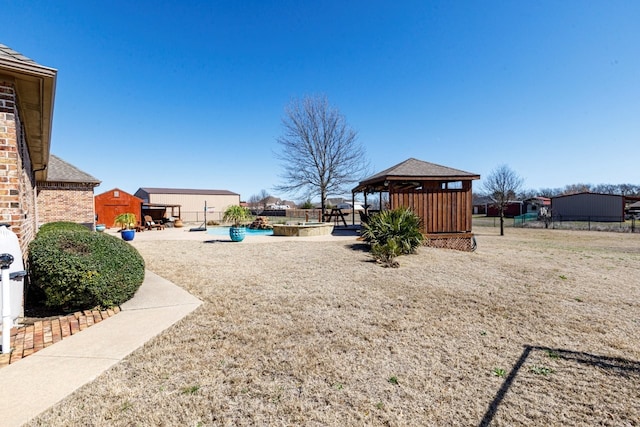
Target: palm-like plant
<point>393,233</point>
<point>126,221</point>
<point>236,214</point>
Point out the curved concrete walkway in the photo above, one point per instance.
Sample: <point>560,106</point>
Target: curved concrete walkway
<point>39,381</point>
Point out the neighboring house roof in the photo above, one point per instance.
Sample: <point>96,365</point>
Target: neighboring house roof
<point>152,190</point>
<point>412,169</point>
<point>481,200</point>
<point>544,201</point>
<point>270,200</point>
<point>634,206</point>
<point>35,85</point>
<point>61,171</point>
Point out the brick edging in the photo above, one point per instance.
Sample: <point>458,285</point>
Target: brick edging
<point>28,339</point>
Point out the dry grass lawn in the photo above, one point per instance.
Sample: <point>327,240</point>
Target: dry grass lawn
<point>539,327</point>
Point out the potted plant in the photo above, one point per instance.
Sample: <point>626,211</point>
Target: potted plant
<point>127,222</point>
<point>236,214</point>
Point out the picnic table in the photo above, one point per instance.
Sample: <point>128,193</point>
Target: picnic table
<point>336,215</point>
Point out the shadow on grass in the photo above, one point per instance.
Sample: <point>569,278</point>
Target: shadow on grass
<point>345,232</point>
<point>616,365</point>
<point>360,247</point>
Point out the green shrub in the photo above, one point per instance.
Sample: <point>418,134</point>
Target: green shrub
<point>61,226</point>
<point>82,270</point>
<point>393,233</point>
<point>307,204</point>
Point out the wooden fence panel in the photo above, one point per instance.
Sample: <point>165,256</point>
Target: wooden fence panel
<point>441,210</point>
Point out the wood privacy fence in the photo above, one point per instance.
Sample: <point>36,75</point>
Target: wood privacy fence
<point>442,211</point>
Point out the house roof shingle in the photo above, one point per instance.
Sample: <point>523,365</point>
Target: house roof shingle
<point>7,53</point>
<point>61,171</point>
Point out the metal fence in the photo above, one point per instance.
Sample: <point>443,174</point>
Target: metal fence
<point>589,223</point>
<point>594,223</point>
<point>275,216</point>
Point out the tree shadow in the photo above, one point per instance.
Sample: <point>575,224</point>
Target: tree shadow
<point>616,365</point>
<point>360,247</point>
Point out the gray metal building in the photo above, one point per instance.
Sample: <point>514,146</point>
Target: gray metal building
<point>192,202</point>
<point>588,207</point>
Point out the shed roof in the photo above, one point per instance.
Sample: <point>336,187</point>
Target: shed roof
<point>121,193</point>
<point>154,190</point>
<point>35,85</point>
<point>585,194</point>
<point>414,169</point>
<point>61,171</point>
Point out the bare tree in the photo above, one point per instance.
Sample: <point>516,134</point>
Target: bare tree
<point>549,192</point>
<point>254,201</point>
<point>263,198</point>
<point>320,153</point>
<point>527,194</point>
<point>576,188</point>
<point>501,186</point>
<point>629,189</point>
<point>260,200</point>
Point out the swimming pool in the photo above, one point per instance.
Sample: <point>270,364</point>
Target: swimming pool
<point>224,231</point>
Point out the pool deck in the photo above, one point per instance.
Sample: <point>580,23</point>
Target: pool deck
<point>304,229</point>
<point>338,233</point>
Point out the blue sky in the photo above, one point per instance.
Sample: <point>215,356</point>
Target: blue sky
<point>191,94</point>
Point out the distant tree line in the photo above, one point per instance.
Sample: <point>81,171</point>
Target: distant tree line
<point>619,189</point>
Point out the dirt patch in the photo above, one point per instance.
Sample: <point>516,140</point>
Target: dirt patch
<point>539,327</point>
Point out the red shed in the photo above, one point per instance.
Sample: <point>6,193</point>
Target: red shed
<point>513,208</point>
<point>114,202</point>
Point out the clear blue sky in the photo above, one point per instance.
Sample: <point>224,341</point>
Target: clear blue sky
<point>190,94</point>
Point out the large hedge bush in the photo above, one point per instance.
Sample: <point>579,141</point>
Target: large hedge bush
<point>392,233</point>
<point>61,226</point>
<point>79,269</point>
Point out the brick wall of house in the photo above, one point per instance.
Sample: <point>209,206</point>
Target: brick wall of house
<point>61,201</point>
<point>17,187</point>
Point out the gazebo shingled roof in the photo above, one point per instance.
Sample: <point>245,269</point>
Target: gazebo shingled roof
<point>413,169</point>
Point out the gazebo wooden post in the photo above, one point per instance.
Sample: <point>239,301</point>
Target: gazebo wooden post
<point>353,210</point>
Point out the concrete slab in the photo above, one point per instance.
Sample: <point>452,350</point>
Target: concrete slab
<point>39,381</point>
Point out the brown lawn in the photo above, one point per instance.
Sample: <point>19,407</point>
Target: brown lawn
<point>539,327</point>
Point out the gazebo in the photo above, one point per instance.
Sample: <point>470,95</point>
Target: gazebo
<point>440,195</point>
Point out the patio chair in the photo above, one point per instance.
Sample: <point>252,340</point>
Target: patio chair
<point>151,224</point>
